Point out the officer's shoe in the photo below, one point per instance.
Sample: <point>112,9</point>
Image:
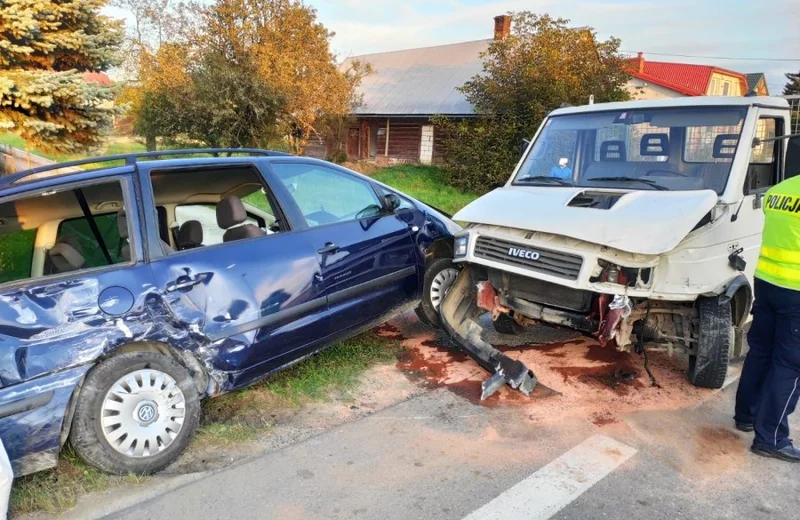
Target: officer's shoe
<point>744,427</point>
<point>788,453</point>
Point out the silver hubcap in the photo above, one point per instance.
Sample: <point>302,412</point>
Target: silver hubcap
<point>441,284</point>
<point>143,413</point>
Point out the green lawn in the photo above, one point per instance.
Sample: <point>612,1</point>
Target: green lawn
<point>426,184</point>
<point>113,146</point>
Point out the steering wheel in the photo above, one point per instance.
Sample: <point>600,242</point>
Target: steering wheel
<point>669,173</point>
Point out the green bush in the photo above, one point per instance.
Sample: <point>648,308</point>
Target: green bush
<point>339,157</point>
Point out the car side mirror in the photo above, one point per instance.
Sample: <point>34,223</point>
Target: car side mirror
<point>391,202</point>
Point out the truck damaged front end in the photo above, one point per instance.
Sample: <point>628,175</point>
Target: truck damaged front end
<point>626,222</point>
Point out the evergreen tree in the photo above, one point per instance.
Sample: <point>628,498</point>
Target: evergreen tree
<point>45,48</point>
<point>792,86</point>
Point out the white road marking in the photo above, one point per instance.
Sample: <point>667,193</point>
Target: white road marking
<point>556,485</point>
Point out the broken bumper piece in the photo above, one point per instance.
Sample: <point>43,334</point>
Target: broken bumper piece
<point>460,313</point>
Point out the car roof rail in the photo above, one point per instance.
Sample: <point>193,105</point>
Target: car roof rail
<point>130,159</point>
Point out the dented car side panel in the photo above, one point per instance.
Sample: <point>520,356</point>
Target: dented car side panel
<point>258,305</point>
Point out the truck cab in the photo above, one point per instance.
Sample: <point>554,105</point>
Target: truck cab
<point>637,222</point>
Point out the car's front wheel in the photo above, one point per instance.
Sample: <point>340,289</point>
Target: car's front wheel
<point>136,413</point>
<point>439,277</point>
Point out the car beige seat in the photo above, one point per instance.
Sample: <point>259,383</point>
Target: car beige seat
<point>231,216</point>
<point>190,235</point>
<point>65,258</point>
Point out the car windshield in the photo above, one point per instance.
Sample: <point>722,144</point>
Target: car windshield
<point>650,149</point>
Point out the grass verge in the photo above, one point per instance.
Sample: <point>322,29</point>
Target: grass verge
<point>58,489</point>
<point>427,184</point>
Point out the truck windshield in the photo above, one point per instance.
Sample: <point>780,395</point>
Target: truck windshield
<point>664,148</point>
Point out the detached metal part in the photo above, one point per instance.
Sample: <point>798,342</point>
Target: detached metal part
<point>460,312</point>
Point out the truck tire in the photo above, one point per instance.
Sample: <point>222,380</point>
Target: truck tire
<point>708,368</point>
<point>136,413</point>
<point>505,324</point>
<point>439,276</point>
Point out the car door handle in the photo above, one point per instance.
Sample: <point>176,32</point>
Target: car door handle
<point>184,282</point>
<point>330,247</point>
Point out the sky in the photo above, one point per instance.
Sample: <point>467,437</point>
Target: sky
<point>747,30</point>
<point>763,37</point>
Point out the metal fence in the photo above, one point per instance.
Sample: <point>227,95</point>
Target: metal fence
<point>794,103</point>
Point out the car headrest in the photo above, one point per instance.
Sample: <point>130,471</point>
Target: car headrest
<point>230,212</point>
<point>65,258</point>
<point>122,224</point>
<point>190,235</point>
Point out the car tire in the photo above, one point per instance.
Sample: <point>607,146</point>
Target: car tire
<point>439,276</point>
<point>136,413</point>
<point>708,367</point>
<point>505,324</point>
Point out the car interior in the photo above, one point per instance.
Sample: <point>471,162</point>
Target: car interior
<point>50,234</point>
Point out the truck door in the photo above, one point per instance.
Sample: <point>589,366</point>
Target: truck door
<point>764,170</point>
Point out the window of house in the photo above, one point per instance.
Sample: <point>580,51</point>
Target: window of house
<point>326,196</point>
<point>726,88</point>
<point>48,233</point>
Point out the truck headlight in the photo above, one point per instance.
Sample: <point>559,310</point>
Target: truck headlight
<point>460,246</point>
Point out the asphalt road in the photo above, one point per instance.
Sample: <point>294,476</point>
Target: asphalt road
<point>440,456</point>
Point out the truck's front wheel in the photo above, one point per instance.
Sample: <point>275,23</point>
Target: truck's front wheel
<point>708,366</point>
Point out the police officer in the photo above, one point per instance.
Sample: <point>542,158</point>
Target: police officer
<point>770,383</point>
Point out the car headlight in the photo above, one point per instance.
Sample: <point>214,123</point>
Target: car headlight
<point>460,246</point>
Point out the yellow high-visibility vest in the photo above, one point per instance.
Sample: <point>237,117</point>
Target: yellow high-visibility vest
<point>779,262</point>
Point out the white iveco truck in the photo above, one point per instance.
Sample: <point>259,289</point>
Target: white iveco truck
<point>638,223</point>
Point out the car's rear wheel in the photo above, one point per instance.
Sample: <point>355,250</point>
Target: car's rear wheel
<point>136,413</point>
<point>708,366</point>
<point>439,277</point>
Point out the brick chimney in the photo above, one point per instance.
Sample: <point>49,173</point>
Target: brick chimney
<point>640,60</point>
<point>502,26</point>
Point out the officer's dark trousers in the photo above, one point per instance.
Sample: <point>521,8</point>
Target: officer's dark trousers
<point>770,382</point>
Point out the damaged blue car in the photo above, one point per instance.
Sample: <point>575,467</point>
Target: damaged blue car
<point>132,287</point>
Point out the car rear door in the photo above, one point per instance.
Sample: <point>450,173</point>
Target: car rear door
<point>368,260</point>
<point>252,301</point>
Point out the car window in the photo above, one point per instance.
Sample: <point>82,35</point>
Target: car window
<point>241,201</point>
<point>48,234</point>
<point>16,254</point>
<point>326,196</point>
<point>77,231</point>
<point>206,214</point>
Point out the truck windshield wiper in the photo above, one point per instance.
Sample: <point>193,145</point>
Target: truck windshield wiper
<point>649,182</point>
<point>545,178</point>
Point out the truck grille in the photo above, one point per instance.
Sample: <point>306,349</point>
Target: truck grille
<point>549,262</point>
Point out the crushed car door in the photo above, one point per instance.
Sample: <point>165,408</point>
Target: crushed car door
<point>369,262</point>
<point>250,293</point>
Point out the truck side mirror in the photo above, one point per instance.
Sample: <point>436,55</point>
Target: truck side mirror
<point>525,144</point>
<point>792,164</point>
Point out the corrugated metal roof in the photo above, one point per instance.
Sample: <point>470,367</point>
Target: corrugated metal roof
<point>420,82</point>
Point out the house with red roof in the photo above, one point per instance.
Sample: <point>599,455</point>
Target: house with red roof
<point>661,79</point>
